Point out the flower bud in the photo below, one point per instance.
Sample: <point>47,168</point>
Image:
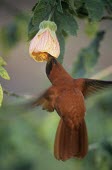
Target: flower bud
<point>45,42</point>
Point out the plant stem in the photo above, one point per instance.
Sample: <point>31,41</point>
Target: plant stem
<point>17,95</point>
<point>103,73</point>
<point>52,12</point>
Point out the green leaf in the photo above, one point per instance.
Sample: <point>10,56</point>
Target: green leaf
<point>78,3</point>
<point>65,21</point>
<point>95,9</point>
<point>40,12</point>
<point>71,5</point>
<point>88,57</point>
<point>1,95</point>
<point>2,62</point>
<point>66,24</point>
<point>32,30</point>
<point>34,6</point>
<point>108,5</point>
<point>4,74</point>
<point>62,46</point>
<point>52,2</point>
<point>74,5</point>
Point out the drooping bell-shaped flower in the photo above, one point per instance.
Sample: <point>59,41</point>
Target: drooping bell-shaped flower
<point>45,42</point>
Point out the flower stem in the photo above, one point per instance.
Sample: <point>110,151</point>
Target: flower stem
<point>51,14</point>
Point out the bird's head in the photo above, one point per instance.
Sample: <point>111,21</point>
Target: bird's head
<point>55,71</point>
<point>51,63</point>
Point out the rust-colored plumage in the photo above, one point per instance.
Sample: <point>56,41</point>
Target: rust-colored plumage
<point>66,96</point>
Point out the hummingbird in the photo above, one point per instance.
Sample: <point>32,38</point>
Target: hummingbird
<point>67,97</point>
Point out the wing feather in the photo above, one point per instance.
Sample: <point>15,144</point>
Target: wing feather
<point>91,86</point>
<point>46,100</point>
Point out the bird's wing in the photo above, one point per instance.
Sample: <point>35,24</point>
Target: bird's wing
<point>90,86</point>
<point>46,100</point>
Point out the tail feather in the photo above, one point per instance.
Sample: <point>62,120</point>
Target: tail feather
<point>57,141</point>
<point>83,139</point>
<point>70,143</point>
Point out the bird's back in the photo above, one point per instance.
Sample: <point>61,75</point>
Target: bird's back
<point>70,106</point>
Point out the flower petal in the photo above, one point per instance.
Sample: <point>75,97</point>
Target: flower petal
<point>45,42</point>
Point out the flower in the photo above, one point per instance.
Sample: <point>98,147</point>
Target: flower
<point>45,42</point>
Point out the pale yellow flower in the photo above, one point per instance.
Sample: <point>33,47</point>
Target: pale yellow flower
<point>45,42</point>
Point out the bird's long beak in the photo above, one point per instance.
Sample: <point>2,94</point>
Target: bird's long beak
<point>50,57</point>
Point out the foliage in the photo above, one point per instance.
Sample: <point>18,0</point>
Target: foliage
<point>91,28</point>
<point>95,9</point>
<point>4,75</point>
<point>27,137</point>
<point>14,32</point>
<point>64,14</point>
<point>88,57</point>
<point>1,95</point>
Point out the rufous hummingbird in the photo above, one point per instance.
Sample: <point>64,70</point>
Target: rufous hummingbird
<point>67,97</point>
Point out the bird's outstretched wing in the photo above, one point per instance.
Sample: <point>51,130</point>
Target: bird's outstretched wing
<point>46,100</point>
<point>90,86</point>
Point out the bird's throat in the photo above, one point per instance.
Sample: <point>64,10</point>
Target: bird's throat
<point>55,72</point>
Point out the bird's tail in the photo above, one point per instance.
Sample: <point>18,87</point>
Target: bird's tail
<point>70,143</point>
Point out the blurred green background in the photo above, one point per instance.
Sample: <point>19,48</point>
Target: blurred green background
<point>27,136</point>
